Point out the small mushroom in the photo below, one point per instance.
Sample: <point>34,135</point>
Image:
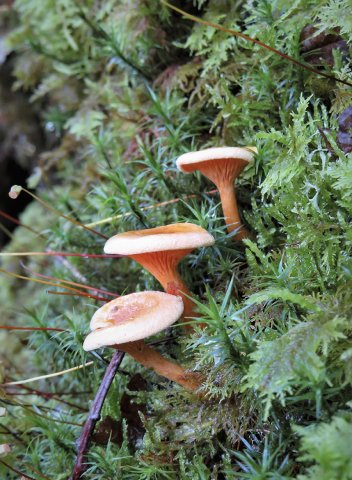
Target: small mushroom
<point>124,322</point>
<point>159,250</point>
<point>222,166</point>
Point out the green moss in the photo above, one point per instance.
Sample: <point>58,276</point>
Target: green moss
<point>122,89</point>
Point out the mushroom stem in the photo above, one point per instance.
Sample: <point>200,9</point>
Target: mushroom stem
<point>222,166</point>
<point>150,358</point>
<point>164,269</point>
<point>174,285</point>
<point>230,210</point>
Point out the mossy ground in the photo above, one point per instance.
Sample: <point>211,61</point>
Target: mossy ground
<point>124,87</point>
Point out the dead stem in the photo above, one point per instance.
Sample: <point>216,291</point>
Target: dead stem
<point>86,287</point>
<point>50,375</point>
<point>82,294</point>
<point>52,284</point>
<point>94,415</point>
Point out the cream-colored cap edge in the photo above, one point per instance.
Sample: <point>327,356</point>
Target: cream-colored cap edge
<point>125,244</point>
<point>216,153</point>
<point>170,310</point>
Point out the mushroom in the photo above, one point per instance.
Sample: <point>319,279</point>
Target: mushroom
<point>124,322</point>
<point>222,166</point>
<point>159,250</point>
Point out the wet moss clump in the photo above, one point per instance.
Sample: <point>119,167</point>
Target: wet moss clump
<point>120,89</point>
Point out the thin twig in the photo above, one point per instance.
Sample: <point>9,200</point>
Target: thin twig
<point>52,284</point>
<point>87,295</point>
<point>48,396</point>
<point>13,469</point>
<point>15,403</point>
<point>36,471</point>
<point>68,282</point>
<point>17,222</point>
<point>28,407</point>
<point>50,375</point>
<point>253,40</point>
<point>94,415</point>
<point>10,327</point>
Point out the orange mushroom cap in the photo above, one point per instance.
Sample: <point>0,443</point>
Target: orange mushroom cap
<point>159,250</point>
<point>221,165</point>
<point>176,236</point>
<point>132,317</point>
<point>188,162</point>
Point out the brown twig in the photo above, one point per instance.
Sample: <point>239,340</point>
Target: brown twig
<point>87,295</point>
<point>16,403</point>
<point>48,396</point>
<point>16,471</point>
<point>52,284</point>
<point>94,415</point>
<point>10,327</point>
<point>17,222</point>
<point>36,471</point>
<point>68,282</point>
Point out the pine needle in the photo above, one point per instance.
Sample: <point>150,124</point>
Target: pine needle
<point>50,375</point>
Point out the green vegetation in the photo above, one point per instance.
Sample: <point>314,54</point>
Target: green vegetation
<point>121,89</point>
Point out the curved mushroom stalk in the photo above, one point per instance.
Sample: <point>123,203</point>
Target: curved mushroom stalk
<point>223,175</point>
<point>222,166</point>
<point>124,322</point>
<point>150,358</point>
<point>230,210</point>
